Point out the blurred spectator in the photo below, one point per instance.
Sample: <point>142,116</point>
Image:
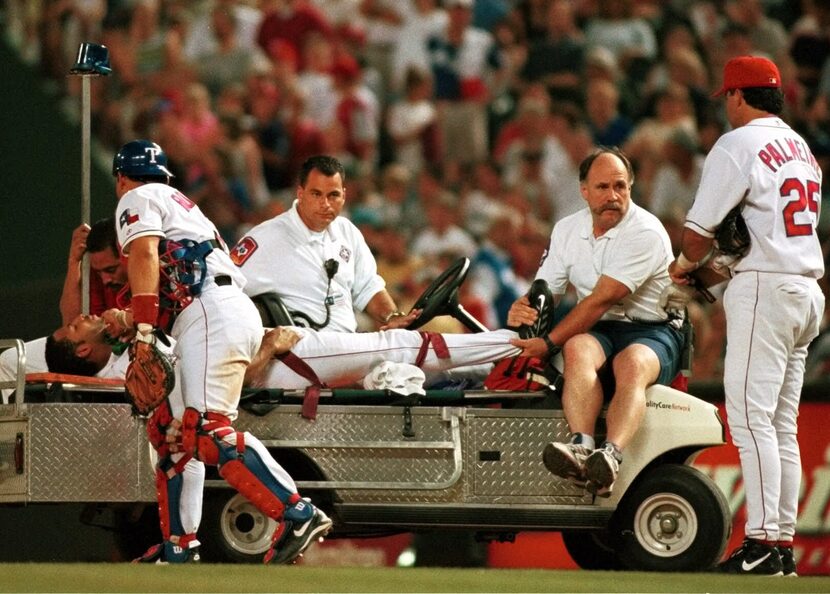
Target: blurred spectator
<point>556,60</point>
<point>492,276</point>
<point>442,236</point>
<point>675,182</point>
<point>425,19</point>
<point>615,27</point>
<point>229,61</point>
<point>645,147</point>
<point>357,112</point>
<point>608,126</point>
<point>201,37</point>
<point>383,22</point>
<point>412,123</point>
<point>290,21</point>
<point>316,80</point>
<point>464,61</point>
<point>767,35</point>
<point>240,150</point>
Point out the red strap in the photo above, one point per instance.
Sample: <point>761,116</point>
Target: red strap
<point>240,442</point>
<point>438,344</point>
<point>310,401</point>
<point>300,367</point>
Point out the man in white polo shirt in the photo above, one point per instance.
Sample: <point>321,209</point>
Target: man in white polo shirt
<point>315,260</point>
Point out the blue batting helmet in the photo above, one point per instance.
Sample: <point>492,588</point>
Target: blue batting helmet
<point>140,158</point>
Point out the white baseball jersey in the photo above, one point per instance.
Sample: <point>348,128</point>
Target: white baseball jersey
<point>770,168</point>
<point>163,211</point>
<point>284,256</point>
<point>219,332</point>
<point>636,252</point>
<point>773,305</point>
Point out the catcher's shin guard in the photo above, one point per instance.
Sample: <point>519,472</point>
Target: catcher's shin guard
<point>243,467</point>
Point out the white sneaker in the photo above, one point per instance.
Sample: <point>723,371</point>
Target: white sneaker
<point>566,460</point>
<point>601,470</point>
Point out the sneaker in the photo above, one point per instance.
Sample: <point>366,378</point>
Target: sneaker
<point>566,460</point>
<point>541,299</point>
<point>601,470</point>
<point>753,557</point>
<point>167,552</point>
<point>297,536</point>
<point>787,560</point>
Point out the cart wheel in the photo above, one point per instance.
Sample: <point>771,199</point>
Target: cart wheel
<point>590,549</point>
<point>233,530</point>
<point>674,518</point>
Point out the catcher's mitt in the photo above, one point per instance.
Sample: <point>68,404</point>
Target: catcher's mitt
<point>732,235</point>
<point>150,376</point>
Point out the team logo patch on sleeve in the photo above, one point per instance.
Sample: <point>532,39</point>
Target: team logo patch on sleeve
<point>243,250</point>
<point>128,217</point>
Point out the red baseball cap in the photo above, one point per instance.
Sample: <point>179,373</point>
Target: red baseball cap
<point>749,71</point>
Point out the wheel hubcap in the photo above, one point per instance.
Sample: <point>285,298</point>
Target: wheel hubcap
<point>665,525</point>
<point>245,528</point>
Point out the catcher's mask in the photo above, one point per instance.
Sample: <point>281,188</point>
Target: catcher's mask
<point>182,270</point>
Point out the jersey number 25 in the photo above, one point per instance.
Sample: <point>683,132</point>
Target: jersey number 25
<point>806,199</point>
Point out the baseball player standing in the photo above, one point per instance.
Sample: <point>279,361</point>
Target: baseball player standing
<point>773,302</point>
<point>217,332</point>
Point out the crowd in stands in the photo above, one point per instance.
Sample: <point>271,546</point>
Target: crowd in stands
<point>461,122</point>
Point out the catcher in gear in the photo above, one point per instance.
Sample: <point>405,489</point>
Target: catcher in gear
<point>217,332</point>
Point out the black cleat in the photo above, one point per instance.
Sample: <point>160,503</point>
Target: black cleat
<point>541,299</point>
<point>787,561</point>
<point>753,557</point>
<point>297,537</point>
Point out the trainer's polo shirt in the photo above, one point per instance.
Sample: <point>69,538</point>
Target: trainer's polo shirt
<point>284,256</point>
<point>636,252</point>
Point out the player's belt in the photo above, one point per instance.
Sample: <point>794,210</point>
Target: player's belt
<point>223,280</point>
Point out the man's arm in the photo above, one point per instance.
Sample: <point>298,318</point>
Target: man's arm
<point>607,293</point>
<point>385,313</point>
<point>694,247</point>
<point>143,275</point>
<point>275,342</point>
<point>70,302</point>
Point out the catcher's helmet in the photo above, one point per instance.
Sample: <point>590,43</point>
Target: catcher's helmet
<point>141,158</point>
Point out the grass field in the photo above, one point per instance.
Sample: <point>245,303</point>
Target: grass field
<point>109,577</point>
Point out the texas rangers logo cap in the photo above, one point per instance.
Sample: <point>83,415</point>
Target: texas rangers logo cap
<point>746,72</point>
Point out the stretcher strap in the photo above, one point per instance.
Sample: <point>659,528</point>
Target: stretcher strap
<point>438,344</point>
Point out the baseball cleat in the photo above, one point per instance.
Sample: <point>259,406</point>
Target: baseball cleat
<point>753,557</point>
<point>541,299</point>
<point>297,537</point>
<point>601,470</point>
<point>566,460</point>
<point>787,560</point>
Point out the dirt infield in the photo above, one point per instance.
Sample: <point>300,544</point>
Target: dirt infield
<point>111,577</point>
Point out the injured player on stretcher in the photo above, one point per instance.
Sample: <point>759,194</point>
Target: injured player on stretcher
<point>295,358</point>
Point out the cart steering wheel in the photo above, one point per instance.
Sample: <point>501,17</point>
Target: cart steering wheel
<point>441,298</point>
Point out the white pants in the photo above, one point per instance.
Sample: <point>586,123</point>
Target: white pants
<point>216,337</point>
<point>342,359</point>
<point>770,321</point>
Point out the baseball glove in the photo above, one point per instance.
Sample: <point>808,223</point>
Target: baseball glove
<point>732,235</point>
<point>150,376</point>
